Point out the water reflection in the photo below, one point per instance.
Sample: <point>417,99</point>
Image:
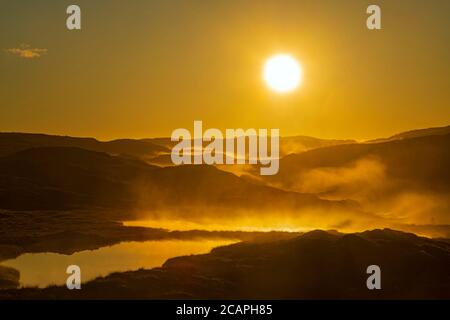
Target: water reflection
<point>43,269</point>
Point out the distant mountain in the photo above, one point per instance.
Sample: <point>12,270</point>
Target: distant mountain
<point>422,161</point>
<point>416,133</point>
<point>356,185</point>
<point>406,179</point>
<point>316,265</point>
<point>157,150</point>
<point>297,144</point>
<point>154,151</point>
<point>65,178</point>
<point>291,144</point>
<point>13,142</point>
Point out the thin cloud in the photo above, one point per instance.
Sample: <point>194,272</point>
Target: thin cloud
<point>25,51</point>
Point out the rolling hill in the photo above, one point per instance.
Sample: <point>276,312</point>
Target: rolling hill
<point>417,133</point>
<point>68,178</point>
<point>11,142</point>
<point>419,161</point>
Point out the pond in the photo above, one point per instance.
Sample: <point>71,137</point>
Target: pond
<point>44,269</point>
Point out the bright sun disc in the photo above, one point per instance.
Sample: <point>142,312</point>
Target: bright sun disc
<point>282,73</point>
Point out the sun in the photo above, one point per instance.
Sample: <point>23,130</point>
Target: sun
<point>282,73</point>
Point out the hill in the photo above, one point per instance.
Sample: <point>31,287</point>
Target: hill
<point>417,133</point>
<point>407,178</point>
<point>11,142</point>
<point>72,178</point>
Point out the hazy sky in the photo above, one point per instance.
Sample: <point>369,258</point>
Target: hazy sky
<point>144,68</point>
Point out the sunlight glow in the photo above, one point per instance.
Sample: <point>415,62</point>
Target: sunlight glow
<point>282,73</point>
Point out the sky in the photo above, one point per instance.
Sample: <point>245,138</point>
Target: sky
<point>144,68</point>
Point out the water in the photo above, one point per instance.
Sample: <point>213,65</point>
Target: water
<point>44,269</point>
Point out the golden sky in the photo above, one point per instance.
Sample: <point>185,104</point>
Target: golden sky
<point>144,68</point>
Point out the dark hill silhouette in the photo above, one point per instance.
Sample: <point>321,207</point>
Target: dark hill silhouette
<point>66,178</point>
<point>14,142</point>
<point>420,162</point>
<point>57,178</point>
<point>317,265</point>
<point>417,133</point>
